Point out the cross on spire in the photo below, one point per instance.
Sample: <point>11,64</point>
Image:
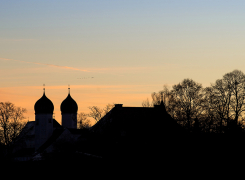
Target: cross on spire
<point>69,88</point>
<point>43,88</point>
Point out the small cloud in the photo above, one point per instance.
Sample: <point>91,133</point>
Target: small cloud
<point>63,67</point>
<point>23,39</point>
<point>18,40</point>
<point>5,59</point>
<point>51,65</point>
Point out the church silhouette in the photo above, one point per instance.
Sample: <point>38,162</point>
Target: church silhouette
<point>123,132</point>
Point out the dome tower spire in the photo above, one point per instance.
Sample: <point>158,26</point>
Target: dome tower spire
<point>69,110</point>
<point>44,109</point>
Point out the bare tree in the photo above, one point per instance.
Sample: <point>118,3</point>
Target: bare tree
<point>165,95</point>
<point>188,99</point>
<point>108,107</point>
<point>16,125</point>
<point>226,98</point>
<point>218,99</point>
<point>146,103</point>
<point>97,113</point>
<point>10,121</point>
<point>156,98</point>
<point>215,106</point>
<point>83,121</point>
<point>235,83</point>
<point>213,109</point>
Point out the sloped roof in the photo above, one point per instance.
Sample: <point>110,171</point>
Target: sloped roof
<point>54,136</point>
<point>56,124</point>
<point>136,120</point>
<point>26,130</point>
<point>77,131</point>
<point>58,134</point>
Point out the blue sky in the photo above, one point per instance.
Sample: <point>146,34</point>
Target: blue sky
<point>139,44</point>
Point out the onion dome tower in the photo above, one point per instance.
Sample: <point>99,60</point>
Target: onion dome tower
<point>44,120</point>
<point>69,110</point>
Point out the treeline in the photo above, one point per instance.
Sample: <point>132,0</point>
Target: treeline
<point>218,108</point>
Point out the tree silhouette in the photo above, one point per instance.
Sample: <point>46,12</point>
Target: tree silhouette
<point>215,107</point>
<point>218,99</point>
<point>235,84</point>
<point>107,108</point>
<point>97,113</point>
<point>188,99</point>
<point>83,121</point>
<point>212,110</point>
<point>146,103</point>
<point>10,121</point>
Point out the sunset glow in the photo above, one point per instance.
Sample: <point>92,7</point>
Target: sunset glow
<point>114,51</point>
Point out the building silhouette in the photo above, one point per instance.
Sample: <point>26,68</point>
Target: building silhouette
<point>69,110</point>
<point>43,120</point>
<point>121,132</point>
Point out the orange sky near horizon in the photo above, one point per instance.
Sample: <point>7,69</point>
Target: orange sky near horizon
<point>84,95</point>
<point>114,51</point>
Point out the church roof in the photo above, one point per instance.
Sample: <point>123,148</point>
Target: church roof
<point>137,120</point>
<point>56,134</point>
<point>69,105</point>
<point>44,105</point>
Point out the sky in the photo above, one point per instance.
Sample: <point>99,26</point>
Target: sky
<point>114,51</point>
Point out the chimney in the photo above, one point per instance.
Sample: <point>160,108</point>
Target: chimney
<point>118,106</point>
